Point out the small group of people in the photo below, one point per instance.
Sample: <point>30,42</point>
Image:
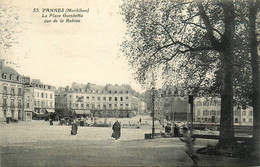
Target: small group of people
<point>176,129</point>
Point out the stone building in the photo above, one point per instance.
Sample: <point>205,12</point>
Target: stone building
<point>12,93</point>
<point>103,101</point>
<point>43,97</point>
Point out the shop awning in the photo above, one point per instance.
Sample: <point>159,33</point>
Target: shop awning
<point>50,110</point>
<point>82,112</point>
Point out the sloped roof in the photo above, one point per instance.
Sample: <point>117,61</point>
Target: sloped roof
<point>10,70</point>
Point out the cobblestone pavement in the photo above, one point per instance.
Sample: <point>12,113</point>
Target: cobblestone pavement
<point>37,143</point>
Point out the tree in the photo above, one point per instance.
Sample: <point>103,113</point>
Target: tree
<point>9,22</point>
<point>192,42</point>
<point>253,7</point>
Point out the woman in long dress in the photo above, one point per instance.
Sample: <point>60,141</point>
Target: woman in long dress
<point>116,130</point>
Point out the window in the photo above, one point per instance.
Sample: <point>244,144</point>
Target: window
<point>104,106</point>
<point>70,104</point>
<point>126,106</point>
<point>5,90</point>
<point>19,103</point>
<point>87,97</point>
<point>250,120</point>
<point>115,98</point>
<point>121,98</point>
<point>93,105</point>
<point>110,105</point>
<point>121,106</point>
<point>76,105</point>
<point>206,103</point>
<point>51,96</point>
<point>250,113</point>
<point>51,105</point>
<point>46,95</point>
<point>93,98</point>
<point>46,104</point>
<point>198,112</point>
<point>28,105</point>
<point>198,103</point>
<point>4,102</point>
<point>98,106</point>
<point>244,120</point>
<point>98,98</point>
<point>213,112</point>
<point>126,97</point>
<point>38,94</point>
<point>12,102</point>
<point>35,103</point>
<point>19,91</point>
<point>38,102</point>
<point>115,106</point>
<point>212,103</point>
<point>205,112</point>
<point>110,98</point>
<point>104,99</point>
<point>42,95</point>
<point>70,96</point>
<point>82,105</point>
<point>12,91</point>
<point>42,103</point>
<point>87,105</point>
<point>244,113</point>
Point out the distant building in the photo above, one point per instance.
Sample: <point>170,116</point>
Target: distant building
<point>43,97</point>
<point>171,103</point>
<point>103,101</point>
<point>207,110</point>
<point>11,90</point>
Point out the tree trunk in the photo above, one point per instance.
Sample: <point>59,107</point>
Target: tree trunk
<point>255,76</point>
<point>226,136</point>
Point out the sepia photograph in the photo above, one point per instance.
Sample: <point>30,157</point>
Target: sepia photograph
<point>129,83</point>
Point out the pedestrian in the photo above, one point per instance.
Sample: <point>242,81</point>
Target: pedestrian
<point>190,146</point>
<point>176,130</point>
<point>74,129</point>
<point>116,130</point>
<point>51,122</point>
<point>168,128</point>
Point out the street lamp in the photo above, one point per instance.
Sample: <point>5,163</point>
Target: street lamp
<point>153,130</point>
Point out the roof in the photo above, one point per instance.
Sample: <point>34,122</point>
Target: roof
<point>10,70</point>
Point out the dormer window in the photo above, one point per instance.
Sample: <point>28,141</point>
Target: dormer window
<point>4,76</point>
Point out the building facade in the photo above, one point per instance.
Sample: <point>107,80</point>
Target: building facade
<point>43,97</point>
<point>12,93</point>
<point>103,101</point>
<point>207,110</point>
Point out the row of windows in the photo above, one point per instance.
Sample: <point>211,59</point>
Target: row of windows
<point>43,95</point>
<point>12,103</point>
<point>208,103</point>
<point>42,104</point>
<point>12,91</point>
<point>12,77</point>
<point>98,91</point>
<point>93,98</point>
<point>97,106</point>
<point>207,112</point>
<point>244,113</point>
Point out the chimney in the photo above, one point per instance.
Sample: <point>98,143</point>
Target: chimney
<point>1,64</point>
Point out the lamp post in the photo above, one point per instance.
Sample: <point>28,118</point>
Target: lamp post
<point>153,130</point>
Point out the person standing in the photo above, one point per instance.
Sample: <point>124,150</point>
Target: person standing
<point>74,129</point>
<point>190,146</point>
<point>116,130</point>
<point>51,122</point>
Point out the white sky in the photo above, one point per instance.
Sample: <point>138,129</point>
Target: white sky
<point>62,53</point>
